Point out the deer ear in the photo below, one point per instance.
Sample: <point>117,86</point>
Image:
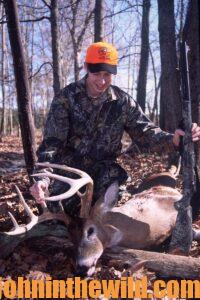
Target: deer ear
<point>111,195</point>
<point>106,202</point>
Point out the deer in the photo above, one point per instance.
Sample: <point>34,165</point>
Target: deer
<point>143,222</point>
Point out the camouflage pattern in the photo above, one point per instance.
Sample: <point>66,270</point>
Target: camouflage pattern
<point>85,132</point>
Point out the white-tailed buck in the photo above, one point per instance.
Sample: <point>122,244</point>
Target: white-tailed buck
<point>145,221</point>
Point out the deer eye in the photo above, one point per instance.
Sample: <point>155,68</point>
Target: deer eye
<point>90,231</point>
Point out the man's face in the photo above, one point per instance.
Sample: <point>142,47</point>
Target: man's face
<point>97,83</point>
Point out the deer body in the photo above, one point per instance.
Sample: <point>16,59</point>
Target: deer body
<point>145,221</point>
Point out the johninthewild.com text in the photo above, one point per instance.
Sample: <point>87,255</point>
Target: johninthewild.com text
<point>76,288</point>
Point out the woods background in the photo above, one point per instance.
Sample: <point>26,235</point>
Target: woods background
<point>55,35</point>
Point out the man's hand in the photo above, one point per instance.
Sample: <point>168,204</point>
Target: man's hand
<point>179,132</point>
<point>38,190</point>
<point>195,132</point>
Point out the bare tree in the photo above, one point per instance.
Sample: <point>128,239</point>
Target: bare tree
<point>21,77</point>
<point>154,110</point>
<point>144,57</point>
<point>98,20</point>
<point>55,41</point>
<point>80,13</point>
<point>191,34</point>
<point>55,46</point>
<point>182,8</point>
<point>170,104</point>
<point>3,89</point>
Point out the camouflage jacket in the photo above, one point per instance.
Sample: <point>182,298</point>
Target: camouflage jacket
<point>81,130</point>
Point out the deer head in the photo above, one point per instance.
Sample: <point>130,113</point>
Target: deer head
<point>91,236</point>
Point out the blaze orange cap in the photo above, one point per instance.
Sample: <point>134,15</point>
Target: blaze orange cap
<point>102,56</point>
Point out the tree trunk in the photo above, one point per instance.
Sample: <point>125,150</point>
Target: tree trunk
<point>191,34</point>
<point>182,8</point>
<point>165,265</point>
<point>154,111</point>
<point>144,57</point>
<point>76,62</point>
<point>21,79</point>
<point>3,75</point>
<point>10,116</point>
<point>98,21</point>
<point>31,81</point>
<point>77,31</point>
<point>55,47</point>
<point>10,97</point>
<point>170,103</point>
<point>46,97</point>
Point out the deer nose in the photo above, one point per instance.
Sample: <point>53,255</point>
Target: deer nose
<point>81,271</point>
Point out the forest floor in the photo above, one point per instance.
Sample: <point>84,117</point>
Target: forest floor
<point>36,259</point>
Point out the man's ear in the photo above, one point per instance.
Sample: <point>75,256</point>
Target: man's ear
<point>111,195</point>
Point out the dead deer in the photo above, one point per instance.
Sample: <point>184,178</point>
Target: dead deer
<point>145,221</point>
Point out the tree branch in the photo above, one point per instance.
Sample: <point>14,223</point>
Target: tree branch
<point>35,20</point>
<point>87,20</point>
<point>46,4</point>
<point>32,7</point>
<point>46,63</point>
<point>121,11</point>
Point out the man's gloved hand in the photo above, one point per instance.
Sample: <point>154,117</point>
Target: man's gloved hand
<point>38,190</point>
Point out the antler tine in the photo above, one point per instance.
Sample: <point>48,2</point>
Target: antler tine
<point>45,216</point>
<point>23,202</point>
<point>15,224</point>
<point>22,229</point>
<point>55,176</point>
<point>75,184</point>
<point>64,168</point>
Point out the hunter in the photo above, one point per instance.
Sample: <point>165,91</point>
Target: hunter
<point>86,122</point>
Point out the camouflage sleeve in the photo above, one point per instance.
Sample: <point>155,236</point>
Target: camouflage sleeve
<point>55,130</point>
<point>147,136</point>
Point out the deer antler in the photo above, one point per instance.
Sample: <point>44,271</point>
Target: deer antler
<point>9,240</point>
<point>45,216</point>
<point>75,185</point>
